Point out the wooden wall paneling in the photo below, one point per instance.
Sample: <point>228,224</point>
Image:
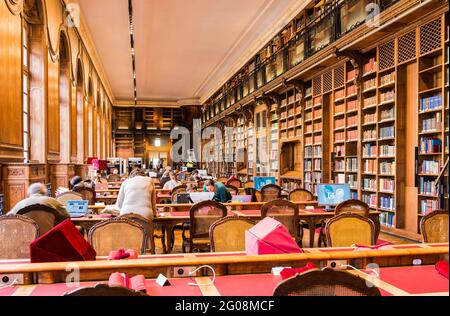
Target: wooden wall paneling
<point>54,13</point>
<point>60,175</point>
<point>65,88</point>
<point>17,178</point>
<point>11,137</point>
<point>38,94</point>
<point>53,134</point>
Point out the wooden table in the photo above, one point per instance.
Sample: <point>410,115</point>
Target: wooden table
<point>178,213</point>
<point>394,279</point>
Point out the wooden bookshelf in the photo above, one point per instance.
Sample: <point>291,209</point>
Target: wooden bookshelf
<point>345,126</point>
<point>274,137</point>
<point>432,112</point>
<point>291,132</point>
<point>316,132</point>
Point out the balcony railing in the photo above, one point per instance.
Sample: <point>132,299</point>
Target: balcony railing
<point>338,19</point>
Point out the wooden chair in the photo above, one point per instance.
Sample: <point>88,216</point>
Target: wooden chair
<point>16,233</point>
<point>325,283</point>
<point>301,195</point>
<point>233,190</point>
<point>286,213</point>
<point>114,178</point>
<point>224,180</point>
<point>354,207</point>
<point>69,196</point>
<point>44,216</point>
<point>149,230</point>
<point>88,194</point>
<point>202,216</point>
<point>115,234</point>
<point>104,290</point>
<point>178,190</point>
<point>271,192</point>
<point>434,227</point>
<point>235,182</point>
<point>228,234</point>
<point>347,229</point>
<point>249,184</point>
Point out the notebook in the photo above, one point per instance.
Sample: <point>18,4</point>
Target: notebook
<point>77,208</point>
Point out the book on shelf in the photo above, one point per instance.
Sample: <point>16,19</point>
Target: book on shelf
<point>387,96</point>
<point>370,66</point>
<point>387,202</point>
<point>370,199</point>
<point>430,167</point>
<point>369,150</point>
<point>433,124</point>
<point>427,186</point>
<point>387,219</point>
<point>387,168</point>
<point>427,206</point>
<point>369,184</point>
<point>430,103</point>
<point>370,166</point>
<point>387,132</point>
<point>429,145</point>
<point>387,185</point>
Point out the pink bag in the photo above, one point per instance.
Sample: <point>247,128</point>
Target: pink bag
<point>269,237</point>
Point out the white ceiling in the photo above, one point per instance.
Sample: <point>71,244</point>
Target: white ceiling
<point>184,48</point>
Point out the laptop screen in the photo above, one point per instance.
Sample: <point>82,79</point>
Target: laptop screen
<point>242,198</point>
<point>201,196</point>
<point>77,208</point>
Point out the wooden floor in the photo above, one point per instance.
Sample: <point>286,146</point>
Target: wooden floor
<point>385,237</point>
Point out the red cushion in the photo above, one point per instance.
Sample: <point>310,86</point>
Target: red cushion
<point>442,268</point>
<point>287,273</point>
<point>63,243</point>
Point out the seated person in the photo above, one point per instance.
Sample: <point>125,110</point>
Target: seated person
<point>191,187</point>
<point>195,176</point>
<point>172,183</point>
<point>37,194</point>
<point>137,195</point>
<point>76,182</point>
<point>221,193</point>
<point>165,177</point>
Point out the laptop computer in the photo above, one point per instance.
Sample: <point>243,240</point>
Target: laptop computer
<point>241,198</point>
<point>183,198</point>
<point>198,197</point>
<point>77,208</point>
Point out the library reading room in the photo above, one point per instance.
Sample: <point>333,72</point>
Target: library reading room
<point>232,148</point>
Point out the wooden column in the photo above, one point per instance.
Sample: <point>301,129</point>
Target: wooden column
<point>82,171</point>
<point>60,175</point>
<point>16,178</point>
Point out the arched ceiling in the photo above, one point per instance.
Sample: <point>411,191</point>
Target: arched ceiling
<point>184,49</point>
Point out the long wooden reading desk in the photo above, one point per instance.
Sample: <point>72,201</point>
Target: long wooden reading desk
<point>398,275</point>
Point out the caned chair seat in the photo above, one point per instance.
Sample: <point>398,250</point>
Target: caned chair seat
<point>149,231</point>
<point>202,216</point>
<point>286,213</point>
<point>115,234</point>
<point>434,227</point>
<point>69,196</point>
<point>235,183</point>
<point>233,190</point>
<point>16,233</point>
<point>270,192</point>
<point>88,194</point>
<point>45,217</point>
<point>228,234</point>
<point>354,207</point>
<point>347,229</point>
<point>325,283</point>
<point>302,195</point>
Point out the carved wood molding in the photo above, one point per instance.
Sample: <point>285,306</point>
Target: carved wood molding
<point>15,6</point>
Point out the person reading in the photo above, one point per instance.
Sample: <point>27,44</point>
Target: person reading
<point>221,193</point>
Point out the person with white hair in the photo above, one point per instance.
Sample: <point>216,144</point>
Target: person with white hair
<point>37,194</point>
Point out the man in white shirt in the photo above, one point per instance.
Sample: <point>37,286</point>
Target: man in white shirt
<point>172,183</point>
<point>137,195</point>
